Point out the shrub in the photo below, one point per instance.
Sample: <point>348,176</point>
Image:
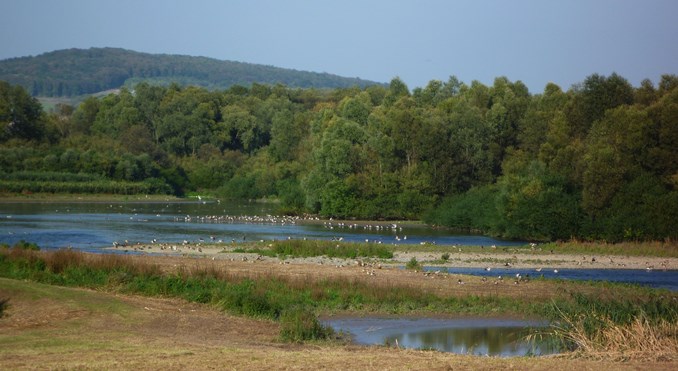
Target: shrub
<point>299,324</point>
<point>413,264</point>
<point>445,256</point>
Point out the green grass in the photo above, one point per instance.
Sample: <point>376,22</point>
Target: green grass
<point>35,291</point>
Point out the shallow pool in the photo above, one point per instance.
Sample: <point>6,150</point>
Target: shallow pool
<point>478,336</point>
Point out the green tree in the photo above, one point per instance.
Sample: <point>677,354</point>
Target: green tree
<point>615,150</point>
<point>85,115</point>
<point>20,114</point>
<point>595,96</point>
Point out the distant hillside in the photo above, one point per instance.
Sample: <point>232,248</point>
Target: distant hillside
<point>74,72</point>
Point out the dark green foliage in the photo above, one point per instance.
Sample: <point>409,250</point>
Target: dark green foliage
<point>292,197</point>
<point>20,114</point>
<point>413,264</point>
<point>475,210</point>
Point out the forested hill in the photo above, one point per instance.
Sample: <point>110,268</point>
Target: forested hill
<point>74,72</point>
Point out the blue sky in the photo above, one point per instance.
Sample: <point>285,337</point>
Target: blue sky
<point>535,41</point>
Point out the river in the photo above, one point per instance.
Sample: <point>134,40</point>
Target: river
<point>92,226</point>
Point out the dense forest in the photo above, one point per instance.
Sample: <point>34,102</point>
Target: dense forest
<point>75,72</point>
<point>598,161</point>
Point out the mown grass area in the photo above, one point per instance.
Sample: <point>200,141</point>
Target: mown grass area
<point>296,301</point>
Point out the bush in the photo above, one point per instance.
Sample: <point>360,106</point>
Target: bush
<point>299,324</point>
<point>445,256</point>
<point>299,248</point>
<point>413,264</point>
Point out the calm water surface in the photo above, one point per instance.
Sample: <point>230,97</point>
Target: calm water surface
<point>91,226</point>
<point>479,336</point>
<point>664,279</point>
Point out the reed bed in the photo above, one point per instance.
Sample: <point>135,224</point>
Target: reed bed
<point>642,338</point>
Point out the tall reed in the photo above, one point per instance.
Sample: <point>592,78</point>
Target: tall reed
<point>641,338</point>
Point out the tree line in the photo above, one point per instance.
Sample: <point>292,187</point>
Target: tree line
<point>598,161</point>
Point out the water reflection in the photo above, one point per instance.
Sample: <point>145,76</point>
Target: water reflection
<point>493,337</point>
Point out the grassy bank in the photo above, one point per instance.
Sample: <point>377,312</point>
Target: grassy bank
<point>295,301</point>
